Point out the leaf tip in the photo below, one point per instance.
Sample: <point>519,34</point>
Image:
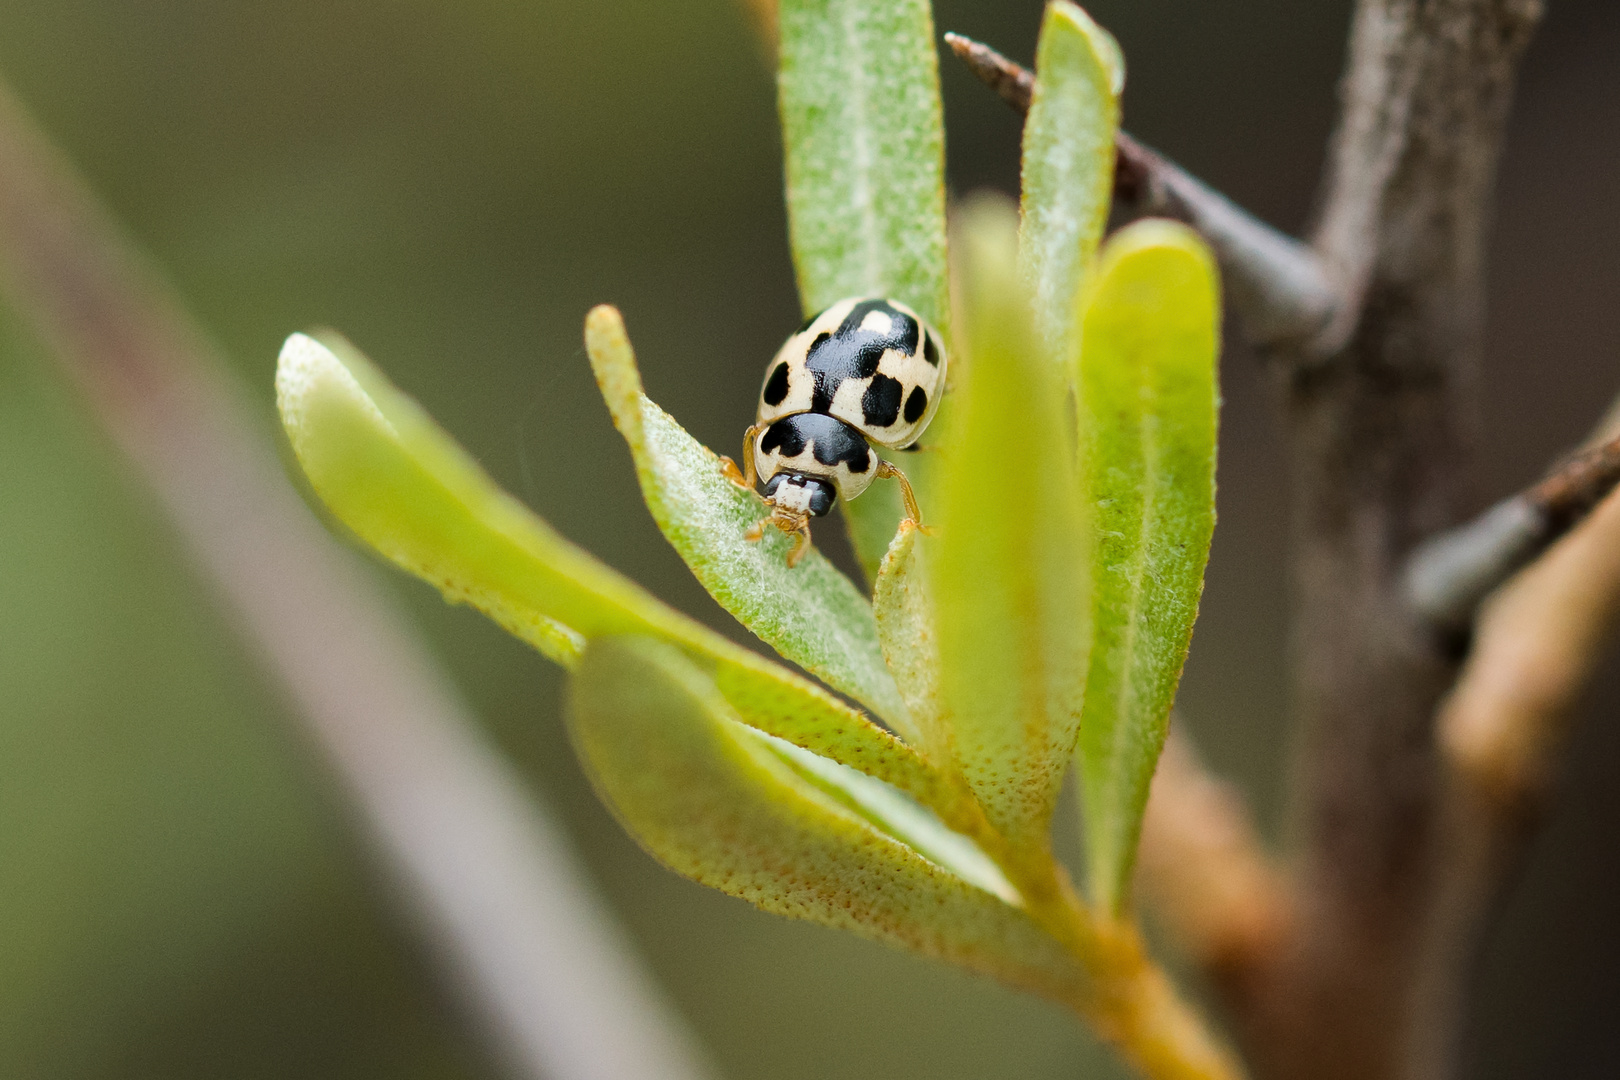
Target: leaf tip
<point>603,319</point>
<point>308,369</point>
<point>1168,253</point>
<point>1102,43</point>
<point>1154,232</point>
<point>613,362</point>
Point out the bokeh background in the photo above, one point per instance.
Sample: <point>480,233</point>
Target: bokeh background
<point>182,894</point>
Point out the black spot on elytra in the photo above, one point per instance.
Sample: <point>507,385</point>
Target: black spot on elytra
<point>931,349</point>
<point>783,436</point>
<point>880,405</point>
<point>852,353</point>
<point>776,387</point>
<point>831,440</point>
<point>916,405</point>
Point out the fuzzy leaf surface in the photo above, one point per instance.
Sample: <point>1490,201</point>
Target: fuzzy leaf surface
<point>1010,584</point>
<point>812,614</point>
<point>893,813</point>
<point>1148,402</point>
<point>903,603</point>
<point>1068,170</point>
<point>712,802</point>
<point>392,476</point>
<point>863,131</point>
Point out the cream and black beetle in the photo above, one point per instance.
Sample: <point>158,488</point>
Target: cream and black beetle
<point>862,372</point>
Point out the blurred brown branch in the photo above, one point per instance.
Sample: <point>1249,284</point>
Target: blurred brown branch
<point>1537,642</point>
<point>506,903</point>
<point>1376,327</point>
<point>1449,576</point>
<point>1203,870</point>
<point>1536,645</point>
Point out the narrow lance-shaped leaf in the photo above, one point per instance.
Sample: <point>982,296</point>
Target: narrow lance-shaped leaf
<point>391,475</point>
<point>902,600</point>
<point>1148,401</point>
<point>1068,177</point>
<point>863,131</point>
<point>1010,585</point>
<point>715,803</point>
<point>812,614</point>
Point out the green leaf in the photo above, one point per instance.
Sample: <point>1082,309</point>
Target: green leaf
<point>1148,402</point>
<point>811,614</point>
<point>714,802</point>
<point>903,604</point>
<point>864,134</point>
<point>1009,583</point>
<point>1068,166</point>
<point>863,131</point>
<point>900,817</point>
<point>390,474</point>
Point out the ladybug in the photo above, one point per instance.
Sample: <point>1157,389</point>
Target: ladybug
<point>862,372</point>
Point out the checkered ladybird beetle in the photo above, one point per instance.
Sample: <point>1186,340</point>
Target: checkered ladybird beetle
<point>862,372</point>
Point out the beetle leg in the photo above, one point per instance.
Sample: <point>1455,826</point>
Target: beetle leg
<point>884,469</point>
<point>752,474</point>
<point>746,477</point>
<point>796,525</point>
<point>801,543</point>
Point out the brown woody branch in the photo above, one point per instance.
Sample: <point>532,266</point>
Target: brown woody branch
<point>1380,408</point>
<point>1450,576</point>
<point>1203,869</point>
<point>1279,287</point>
<point>1537,641</point>
<point>487,875</point>
<point>1381,411</point>
<point>1502,729</point>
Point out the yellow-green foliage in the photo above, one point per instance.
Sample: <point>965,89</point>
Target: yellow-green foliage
<point>1042,610</point>
<point>1148,399</point>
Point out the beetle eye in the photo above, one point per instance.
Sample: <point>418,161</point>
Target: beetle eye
<point>822,497</point>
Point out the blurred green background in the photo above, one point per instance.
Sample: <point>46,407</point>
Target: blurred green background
<point>453,186</point>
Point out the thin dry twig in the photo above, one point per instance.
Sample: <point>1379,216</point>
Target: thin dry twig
<point>1541,635</point>
<point>1279,287</point>
<point>1450,575</point>
<point>1538,640</point>
<point>505,901</point>
<point>1203,869</point>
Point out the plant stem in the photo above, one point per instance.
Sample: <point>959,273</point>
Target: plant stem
<point>1129,999</point>
<point>1448,577</point>
<point>1537,643</point>
<point>1381,412</point>
<point>1203,869</point>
